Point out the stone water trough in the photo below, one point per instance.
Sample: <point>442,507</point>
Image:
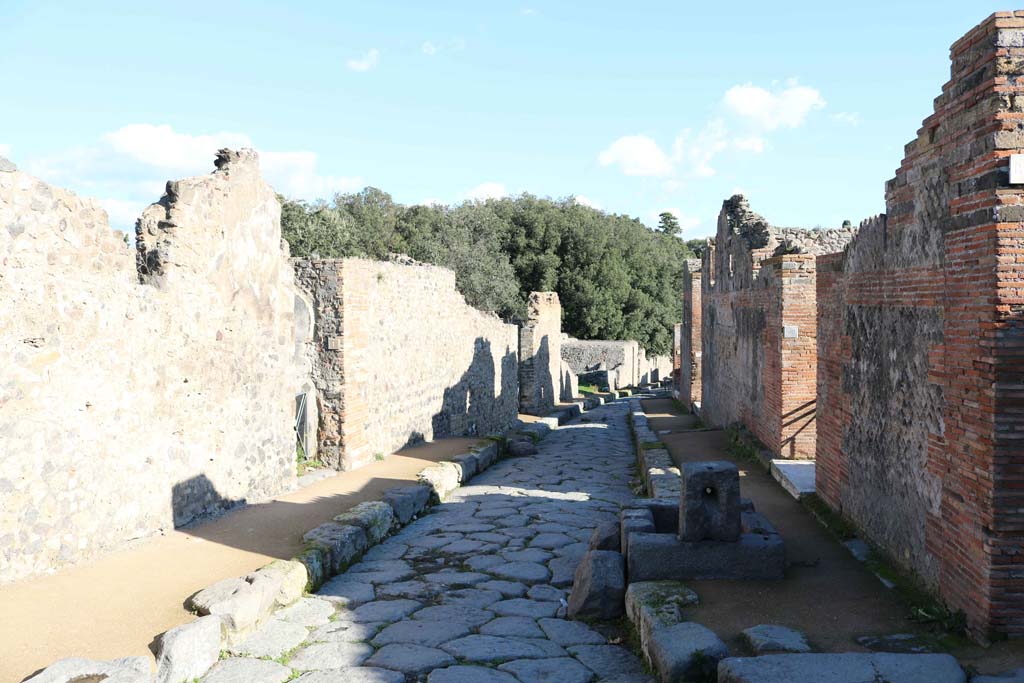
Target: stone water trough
<point>711,534</point>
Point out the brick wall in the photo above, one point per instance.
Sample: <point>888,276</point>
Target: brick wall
<point>758,328</point>
<point>402,358</point>
<point>540,355</point>
<point>921,357</point>
<point>689,353</point>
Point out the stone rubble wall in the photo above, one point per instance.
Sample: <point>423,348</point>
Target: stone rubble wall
<point>585,355</point>
<point>401,358</point>
<point>142,390</point>
<point>922,346</point>
<point>540,355</point>
<point>758,331</point>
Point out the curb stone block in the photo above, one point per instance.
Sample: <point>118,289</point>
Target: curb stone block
<point>849,667</point>
<point>344,543</point>
<point>599,586</point>
<point>373,517</point>
<point>486,456</point>
<point>187,652</point>
<point>442,477</point>
<point>468,464</point>
<point>653,605</point>
<point>124,670</point>
<point>234,600</point>
<point>635,520</point>
<point>407,501</point>
<point>685,651</point>
<point>316,561</point>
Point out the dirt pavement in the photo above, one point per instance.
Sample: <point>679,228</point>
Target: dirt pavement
<point>115,605</point>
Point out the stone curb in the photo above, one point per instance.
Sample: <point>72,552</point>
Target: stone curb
<point>660,475</point>
<point>231,609</point>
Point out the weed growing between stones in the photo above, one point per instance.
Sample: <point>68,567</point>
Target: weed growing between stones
<point>588,388</point>
<point>742,445</point>
<point>651,445</point>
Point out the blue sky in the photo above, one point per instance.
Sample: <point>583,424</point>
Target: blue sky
<point>636,107</point>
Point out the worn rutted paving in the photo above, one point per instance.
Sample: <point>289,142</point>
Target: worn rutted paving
<point>472,592</point>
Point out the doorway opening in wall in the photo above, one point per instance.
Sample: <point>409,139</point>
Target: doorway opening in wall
<point>301,425</point>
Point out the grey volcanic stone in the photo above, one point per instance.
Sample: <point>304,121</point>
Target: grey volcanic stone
<point>709,506</point>
<point>550,541</point>
<point>469,674</point>
<point>359,674</point>
<point>246,670</point>
<point>556,670</point>
<point>606,537</point>
<point>510,589</point>
<point>521,447</point>
<point>232,599</point>
<point>407,501</point>
<point>471,597</point>
<point>634,520</point>
<point>519,627</point>
<point>188,651</point>
<point>307,612</point>
<point>521,607</point>
<point>1015,676</point>
<point>410,659</point>
<point>383,610</point>
<point>769,638</point>
<point>543,591</point>
<point>336,655</point>
<point>660,557</point>
<point>346,591</point>
<point>272,639</point>
<point>429,633</point>
<point>126,670</point>
<point>599,588</point>
<point>481,648</point>
<point>608,661</point>
<point>566,632</point>
<point>343,543</point>
<point>563,570</point>
<point>685,651</point>
<point>373,517</point>
<point>470,616</point>
<point>850,667</point>
<point>526,572</point>
<point>345,632</point>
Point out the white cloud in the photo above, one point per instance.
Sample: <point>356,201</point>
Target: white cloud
<point>529,12</point>
<point>847,117</point>
<point>429,48</point>
<point>695,152</point>
<point>5,150</point>
<point>366,62</point>
<point>586,201</point>
<point>129,167</point>
<point>486,191</point>
<point>751,143</point>
<point>785,108</point>
<point>637,155</point>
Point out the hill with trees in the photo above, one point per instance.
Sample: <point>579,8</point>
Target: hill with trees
<point>616,278</point>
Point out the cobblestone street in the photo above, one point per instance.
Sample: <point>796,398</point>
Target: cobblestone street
<point>474,591</point>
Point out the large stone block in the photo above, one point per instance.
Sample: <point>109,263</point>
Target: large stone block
<point>684,652</point>
<point>709,505</point>
<point>659,557</point>
<point>373,517</point>
<point>599,587</point>
<point>76,670</point>
<point>186,653</point>
<point>344,543</point>
<point>634,520</point>
<point>851,667</point>
<point>407,501</point>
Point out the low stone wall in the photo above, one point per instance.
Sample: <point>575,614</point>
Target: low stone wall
<point>142,389</point>
<point>540,355</point>
<point>399,357</point>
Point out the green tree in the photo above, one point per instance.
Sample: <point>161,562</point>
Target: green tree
<point>668,223</point>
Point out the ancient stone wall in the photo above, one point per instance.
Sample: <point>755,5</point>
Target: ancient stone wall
<point>621,356</point>
<point>922,346</point>
<point>540,355</point>
<point>690,353</point>
<point>758,328</point>
<point>141,389</point>
<point>401,358</point>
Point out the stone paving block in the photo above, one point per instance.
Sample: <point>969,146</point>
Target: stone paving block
<point>410,659</point>
<point>307,612</point>
<point>347,591</point>
<point>75,669</point>
<point>358,674</point>
<point>375,518</point>
<point>654,605</point>
<point>685,651</point>
<point>482,648</point>
<point>560,670</point>
<point>272,639</point>
<point>233,600</point>
<point>407,501</point>
<point>519,627</point>
<point>599,587</point>
<point>336,655</point>
<point>567,633</point>
<point>247,670</point>
<point>442,478</point>
<point>431,634</point>
<point>850,667</point>
<point>470,674</point>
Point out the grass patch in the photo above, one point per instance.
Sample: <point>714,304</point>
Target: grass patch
<point>837,525</point>
<point>741,445</point>
<point>302,463</point>
<point>651,445</point>
<point>589,388</point>
<point>683,409</point>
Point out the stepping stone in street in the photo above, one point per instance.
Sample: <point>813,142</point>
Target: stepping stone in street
<point>410,659</point>
<point>561,669</point>
<point>246,670</point>
<point>429,633</point>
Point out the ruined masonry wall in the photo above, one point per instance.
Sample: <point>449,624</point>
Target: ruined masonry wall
<point>922,347</point>
<point>400,358</point>
<point>690,352</point>
<point>540,355</point>
<point>758,329</point>
<point>620,356</point>
<point>127,408</point>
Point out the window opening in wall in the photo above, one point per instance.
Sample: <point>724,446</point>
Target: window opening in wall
<point>730,266</point>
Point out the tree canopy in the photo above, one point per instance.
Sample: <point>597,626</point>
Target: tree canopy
<point>616,278</point>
